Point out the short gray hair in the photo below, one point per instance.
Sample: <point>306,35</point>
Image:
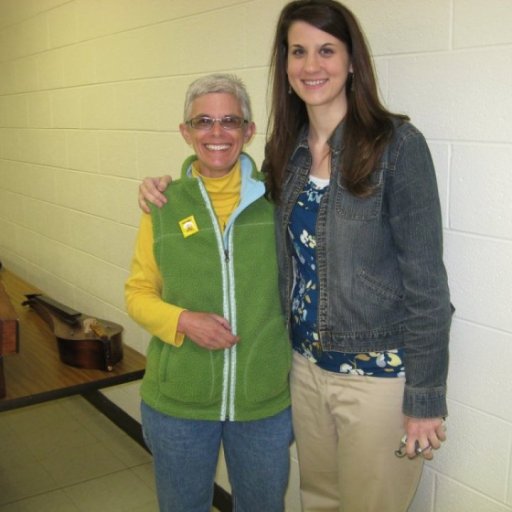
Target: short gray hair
<point>218,82</point>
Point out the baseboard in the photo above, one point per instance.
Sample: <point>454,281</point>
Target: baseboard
<point>221,498</point>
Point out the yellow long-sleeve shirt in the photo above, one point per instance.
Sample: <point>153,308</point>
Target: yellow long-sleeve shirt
<point>143,288</point>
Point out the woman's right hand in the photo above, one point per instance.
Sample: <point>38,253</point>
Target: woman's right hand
<point>207,330</point>
<point>150,190</point>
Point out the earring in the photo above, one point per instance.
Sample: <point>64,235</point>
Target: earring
<point>351,75</point>
<point>289,89</point>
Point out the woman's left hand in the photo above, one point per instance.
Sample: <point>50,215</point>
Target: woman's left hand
<point>423,436</point>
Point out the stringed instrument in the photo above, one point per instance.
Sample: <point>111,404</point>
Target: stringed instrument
<point>83,341</point>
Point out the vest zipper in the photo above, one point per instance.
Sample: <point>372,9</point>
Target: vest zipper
<point>231,299</point>
<point>224,243</point>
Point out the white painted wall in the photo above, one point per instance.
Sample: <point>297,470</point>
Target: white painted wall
<point>91,95</point>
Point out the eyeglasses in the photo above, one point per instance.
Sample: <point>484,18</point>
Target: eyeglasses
<point>206,123</point>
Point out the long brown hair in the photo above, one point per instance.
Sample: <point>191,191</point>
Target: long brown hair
<point>368,125</point>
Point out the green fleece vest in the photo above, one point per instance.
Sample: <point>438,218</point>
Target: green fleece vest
<point>239,282</point>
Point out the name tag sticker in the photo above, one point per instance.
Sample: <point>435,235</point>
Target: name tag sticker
<point>188,226</point>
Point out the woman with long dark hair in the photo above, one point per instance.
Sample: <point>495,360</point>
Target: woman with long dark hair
<point>362,278</point>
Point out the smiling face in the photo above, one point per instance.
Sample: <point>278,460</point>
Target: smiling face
<point>318,66</point>
<point>217,149</point>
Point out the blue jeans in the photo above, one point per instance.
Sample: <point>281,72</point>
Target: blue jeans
<point>185,454</point>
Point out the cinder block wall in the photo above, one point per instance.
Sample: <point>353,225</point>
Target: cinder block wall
<point>91,95</point>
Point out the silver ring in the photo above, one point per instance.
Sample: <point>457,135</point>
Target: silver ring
<point>420,450</point>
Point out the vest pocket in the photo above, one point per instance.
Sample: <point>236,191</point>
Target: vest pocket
<point>189,374</point>
<point>268,364</point>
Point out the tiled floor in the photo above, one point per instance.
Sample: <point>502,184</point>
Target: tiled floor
<point>64,456</point>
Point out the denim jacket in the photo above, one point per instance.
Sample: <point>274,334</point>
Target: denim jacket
<point>382,281</point>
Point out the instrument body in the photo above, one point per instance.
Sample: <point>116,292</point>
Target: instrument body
<point>83,341</point>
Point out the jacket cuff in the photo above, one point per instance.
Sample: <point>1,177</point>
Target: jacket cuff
<point>425,402</point>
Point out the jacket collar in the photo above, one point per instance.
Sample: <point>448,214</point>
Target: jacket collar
<point>335,140</point>
<point>252,188</point>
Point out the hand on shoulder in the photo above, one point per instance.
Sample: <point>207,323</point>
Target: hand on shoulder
<point>151,191</point>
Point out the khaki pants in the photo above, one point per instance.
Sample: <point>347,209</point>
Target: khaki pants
<point>347,428</point>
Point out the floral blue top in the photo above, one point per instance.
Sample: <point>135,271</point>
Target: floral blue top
<point>302,232</point>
